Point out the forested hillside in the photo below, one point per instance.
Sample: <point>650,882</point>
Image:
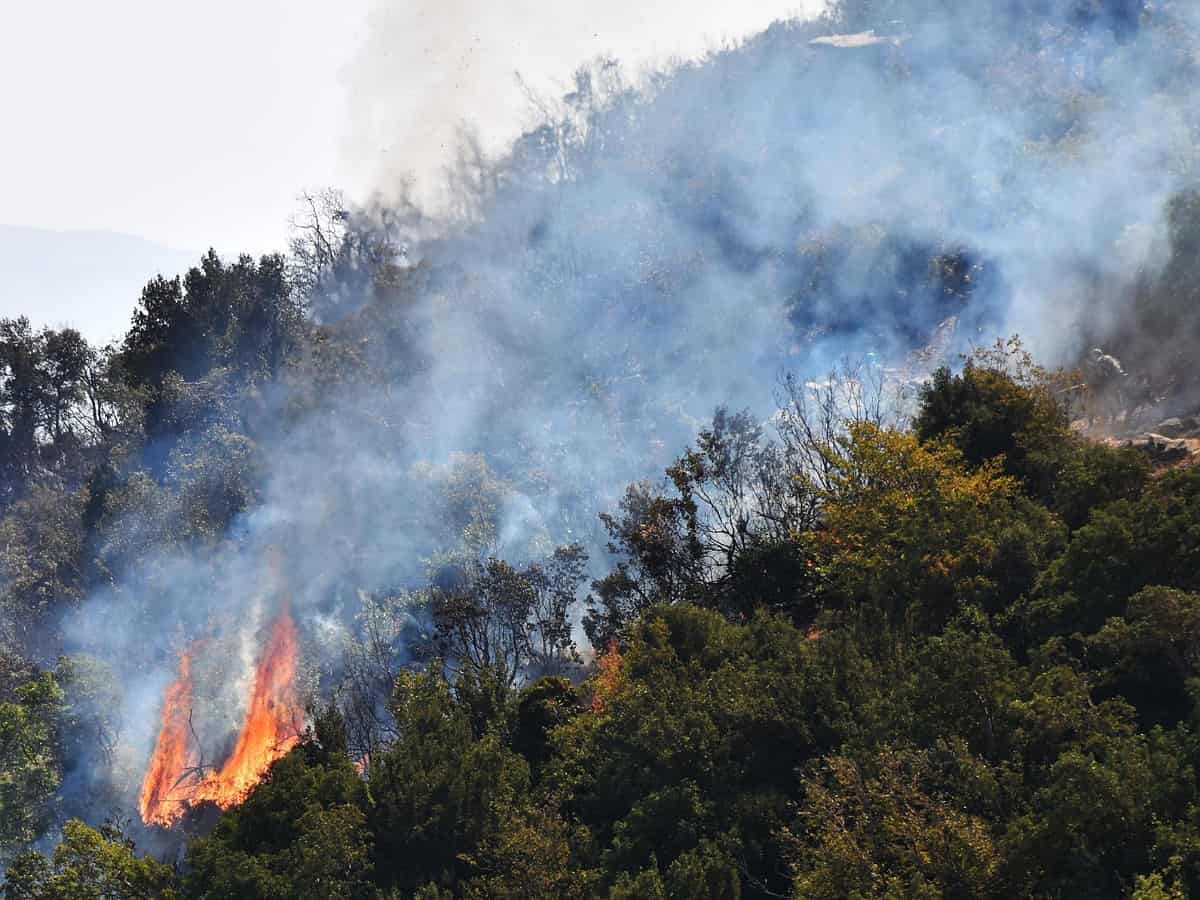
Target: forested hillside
<point>665,520</point>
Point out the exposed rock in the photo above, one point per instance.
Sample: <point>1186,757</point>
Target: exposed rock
<point>1161,449</point>
<point>1177,427</point>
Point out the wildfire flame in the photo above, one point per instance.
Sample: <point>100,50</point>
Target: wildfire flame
<point>175,780</point>
<point>159,802</point>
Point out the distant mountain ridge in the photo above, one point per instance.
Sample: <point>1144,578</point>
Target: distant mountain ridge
<point>89,280</point>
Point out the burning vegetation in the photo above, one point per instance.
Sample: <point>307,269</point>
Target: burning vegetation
<point>176,778</point>
<point>163,797</point>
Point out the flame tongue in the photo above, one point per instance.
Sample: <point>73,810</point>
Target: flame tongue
<point>162,798</point>
<point>272,722</point>
<point>270,729</point>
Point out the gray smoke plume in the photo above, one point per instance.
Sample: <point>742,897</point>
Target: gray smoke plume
<point>428,69</point>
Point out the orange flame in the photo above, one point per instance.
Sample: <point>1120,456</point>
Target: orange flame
<point>162,799</point>
<point>272,721</point>
<point>271,728</point>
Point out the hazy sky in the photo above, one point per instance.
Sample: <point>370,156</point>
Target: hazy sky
<point>194,124</point>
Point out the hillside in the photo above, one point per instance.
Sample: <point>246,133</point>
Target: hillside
<point>674,518</point>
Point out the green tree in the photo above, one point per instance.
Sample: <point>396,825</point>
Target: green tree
<point>53,408</point>
<point>889,829</point>
<point>1125,546</point>
<point>531,856</point>
<point>991,415</point>
<point>697,740</point>
<point>911,533</point>
<point>90,864</point>
<point>301,832</point>
<point>41,556</point>
<point>1151,654</point>
<point>29,765</point>
<point>1094,475</point>
<point>541,707</point>
<point>241,316</point>
<point>438,792</point>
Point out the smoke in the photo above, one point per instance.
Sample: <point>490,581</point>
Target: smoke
<point>429,70</point>
<point>653,249</point>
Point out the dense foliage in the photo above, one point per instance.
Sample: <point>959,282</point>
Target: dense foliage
<point>965,696</point>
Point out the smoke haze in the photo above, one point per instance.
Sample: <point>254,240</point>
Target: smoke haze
<point>428,70</point>
<point>650,248</point>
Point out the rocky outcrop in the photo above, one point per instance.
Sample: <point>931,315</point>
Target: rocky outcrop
<point>1178,427</point>
<point>1163,450</point>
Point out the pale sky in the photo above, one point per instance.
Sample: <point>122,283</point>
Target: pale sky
<point>193,124</point>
